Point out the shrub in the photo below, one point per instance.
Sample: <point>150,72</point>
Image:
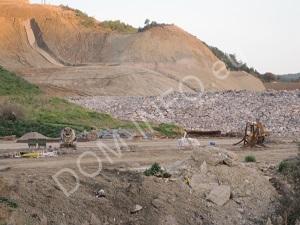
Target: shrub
<point>232,63</point>
<point>149,25</point>
<point>11,112</point>
<point>290,203</point>
<point>153,170</point>
<point>119,26</point>
<point>169,130</point>
<point>250,158</point>
<point>85,20</point>
<point>8,202</point>
<point>156,170</point>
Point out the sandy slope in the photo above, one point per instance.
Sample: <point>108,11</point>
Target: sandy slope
<point>144,63</point>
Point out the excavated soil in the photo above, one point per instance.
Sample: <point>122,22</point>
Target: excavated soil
<point>36,40</point>
<point>29,183</point>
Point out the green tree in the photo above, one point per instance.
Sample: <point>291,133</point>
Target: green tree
<point>147,22</point>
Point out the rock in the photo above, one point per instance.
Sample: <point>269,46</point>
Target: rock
<point>136,209</point>
<point>269,222</point>
<point>157,203</point>
<point>168,220</point>
<point>278,110</point>
<point>219,195</point>
<point>213,156</point>
<point>297,222</point>
<point>241,210</point>
<point>279,220</point>
<point>203,168</point>
<point>100,194</point>
<point>4,168</point>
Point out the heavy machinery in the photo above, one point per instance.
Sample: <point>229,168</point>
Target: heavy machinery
<point>68,138</point>
<point>255,134</point>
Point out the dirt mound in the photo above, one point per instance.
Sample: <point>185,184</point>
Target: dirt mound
<point>239,194</point>
<point>197,193</point>
<point>142,63</point>
<point>31,135</point>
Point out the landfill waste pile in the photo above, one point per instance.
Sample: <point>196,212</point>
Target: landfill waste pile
<point>227,111</point>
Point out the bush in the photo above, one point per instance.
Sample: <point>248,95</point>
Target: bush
<point>85,20</point>
<point>156,170</point>
<point>8,202</point>
<point>149,25</point>
<point>250,158</point>
<point>290,203</point>
<point>283,166</point>
<point>153,170</point>
<point>119,26</point>
<point>232,63</point>
<point>169,130</point>
<point>11,112</point>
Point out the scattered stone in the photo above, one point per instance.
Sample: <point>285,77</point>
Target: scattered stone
<point>241,210</point>
<point>279,220</point>
<point>214,156</point>
<point>157,203</point>
<point>278,110</point>
<point>203,168</point>
<point>4,168</point>
<point>269,222</point>
<point>100,194</point>
<point>219,195</point>
<point>136,209</point>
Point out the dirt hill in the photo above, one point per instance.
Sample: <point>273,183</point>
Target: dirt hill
<point>66,52</point>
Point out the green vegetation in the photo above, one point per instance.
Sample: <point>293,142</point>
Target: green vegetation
<point>148,25</point>
<point>119,26</point>
<point>283,167</point>
<point>88,21</point>
<point>25,109</point>
<point>8,202</point>
<point>250,158</point>
<point>169,130</point>
<point>10,84</point>
<point>85,20</point>
<point>156,170</point>
<point>49,115</point>
<point>231,62</point>
<point>290,202</point>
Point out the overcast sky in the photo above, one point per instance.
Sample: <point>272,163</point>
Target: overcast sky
<point>263,33</point>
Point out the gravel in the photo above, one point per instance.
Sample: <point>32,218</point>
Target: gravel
<point>227,111</point>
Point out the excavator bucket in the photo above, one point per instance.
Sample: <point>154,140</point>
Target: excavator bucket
<point>255,134</point>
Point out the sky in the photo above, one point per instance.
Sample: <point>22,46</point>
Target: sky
<point>263,33</point>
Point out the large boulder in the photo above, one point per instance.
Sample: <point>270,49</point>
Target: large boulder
<point>214,156</point>
<point>219,195</point>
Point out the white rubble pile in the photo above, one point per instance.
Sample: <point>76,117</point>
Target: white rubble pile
<point>226,111</point>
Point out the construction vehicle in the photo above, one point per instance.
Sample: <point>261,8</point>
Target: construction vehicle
<point>68,138</point>
<point>255,134</point>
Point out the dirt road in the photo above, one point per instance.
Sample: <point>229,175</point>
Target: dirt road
<point>141,153</point>
<point>30,183</point>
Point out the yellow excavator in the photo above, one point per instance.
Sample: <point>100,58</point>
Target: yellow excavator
<point>255,134</point>
<point>68,138</point>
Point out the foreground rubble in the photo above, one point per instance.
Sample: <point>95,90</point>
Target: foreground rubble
<point>210,186</point>
<point>225,111</point>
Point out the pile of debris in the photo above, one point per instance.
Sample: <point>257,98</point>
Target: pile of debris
<point>226,111</point>
<point>115,133</point>
<point>234,192</point>
<point>31,136</point>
